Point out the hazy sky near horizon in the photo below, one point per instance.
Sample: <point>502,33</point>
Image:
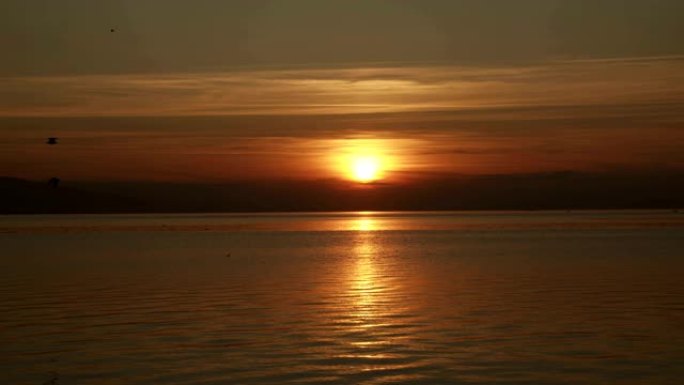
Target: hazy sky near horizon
<point>217,90</point>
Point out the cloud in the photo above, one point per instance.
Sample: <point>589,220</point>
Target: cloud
<point>593,83</point>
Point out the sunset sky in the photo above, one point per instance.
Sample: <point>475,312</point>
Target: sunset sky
<point>209,91</point>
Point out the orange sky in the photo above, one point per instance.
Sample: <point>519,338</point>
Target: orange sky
<point>462,102</point>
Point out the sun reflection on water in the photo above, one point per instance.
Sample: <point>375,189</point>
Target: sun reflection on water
<point>373,336</point>
<point>365,224</point>
<point>364,280</point>
<point>368,290</point>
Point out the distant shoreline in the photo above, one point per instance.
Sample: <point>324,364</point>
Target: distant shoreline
<point>481,221</point>
<point>528,193</point>
<point>355,212</point>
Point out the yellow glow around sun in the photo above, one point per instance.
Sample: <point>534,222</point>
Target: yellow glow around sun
<point>363,160</point>
<point>365,168</point>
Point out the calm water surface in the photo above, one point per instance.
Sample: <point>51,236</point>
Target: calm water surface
<point>359,298</point>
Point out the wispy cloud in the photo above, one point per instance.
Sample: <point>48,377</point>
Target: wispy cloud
<point>350,91</point>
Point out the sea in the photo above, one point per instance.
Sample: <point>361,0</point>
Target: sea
<point>535,297</point>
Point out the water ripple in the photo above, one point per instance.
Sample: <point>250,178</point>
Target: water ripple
<point>351,307</point>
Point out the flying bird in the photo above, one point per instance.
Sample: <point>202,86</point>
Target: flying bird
<point>51,141</point>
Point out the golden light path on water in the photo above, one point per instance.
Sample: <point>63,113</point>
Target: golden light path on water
<point>365,276</point>
<point>374,304</point>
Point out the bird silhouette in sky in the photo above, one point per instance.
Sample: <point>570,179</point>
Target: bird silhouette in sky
<point>51,141</point>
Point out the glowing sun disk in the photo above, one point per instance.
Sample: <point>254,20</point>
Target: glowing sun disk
<point>365,169</point>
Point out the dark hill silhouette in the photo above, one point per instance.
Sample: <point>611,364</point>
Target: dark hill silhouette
<point>20,196</point>
<point>561,190</point>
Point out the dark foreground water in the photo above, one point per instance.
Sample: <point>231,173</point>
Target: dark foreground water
<point>458,298</point>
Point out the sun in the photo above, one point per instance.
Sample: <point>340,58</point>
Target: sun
<point>365,169</point>
<point>363,161</point>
